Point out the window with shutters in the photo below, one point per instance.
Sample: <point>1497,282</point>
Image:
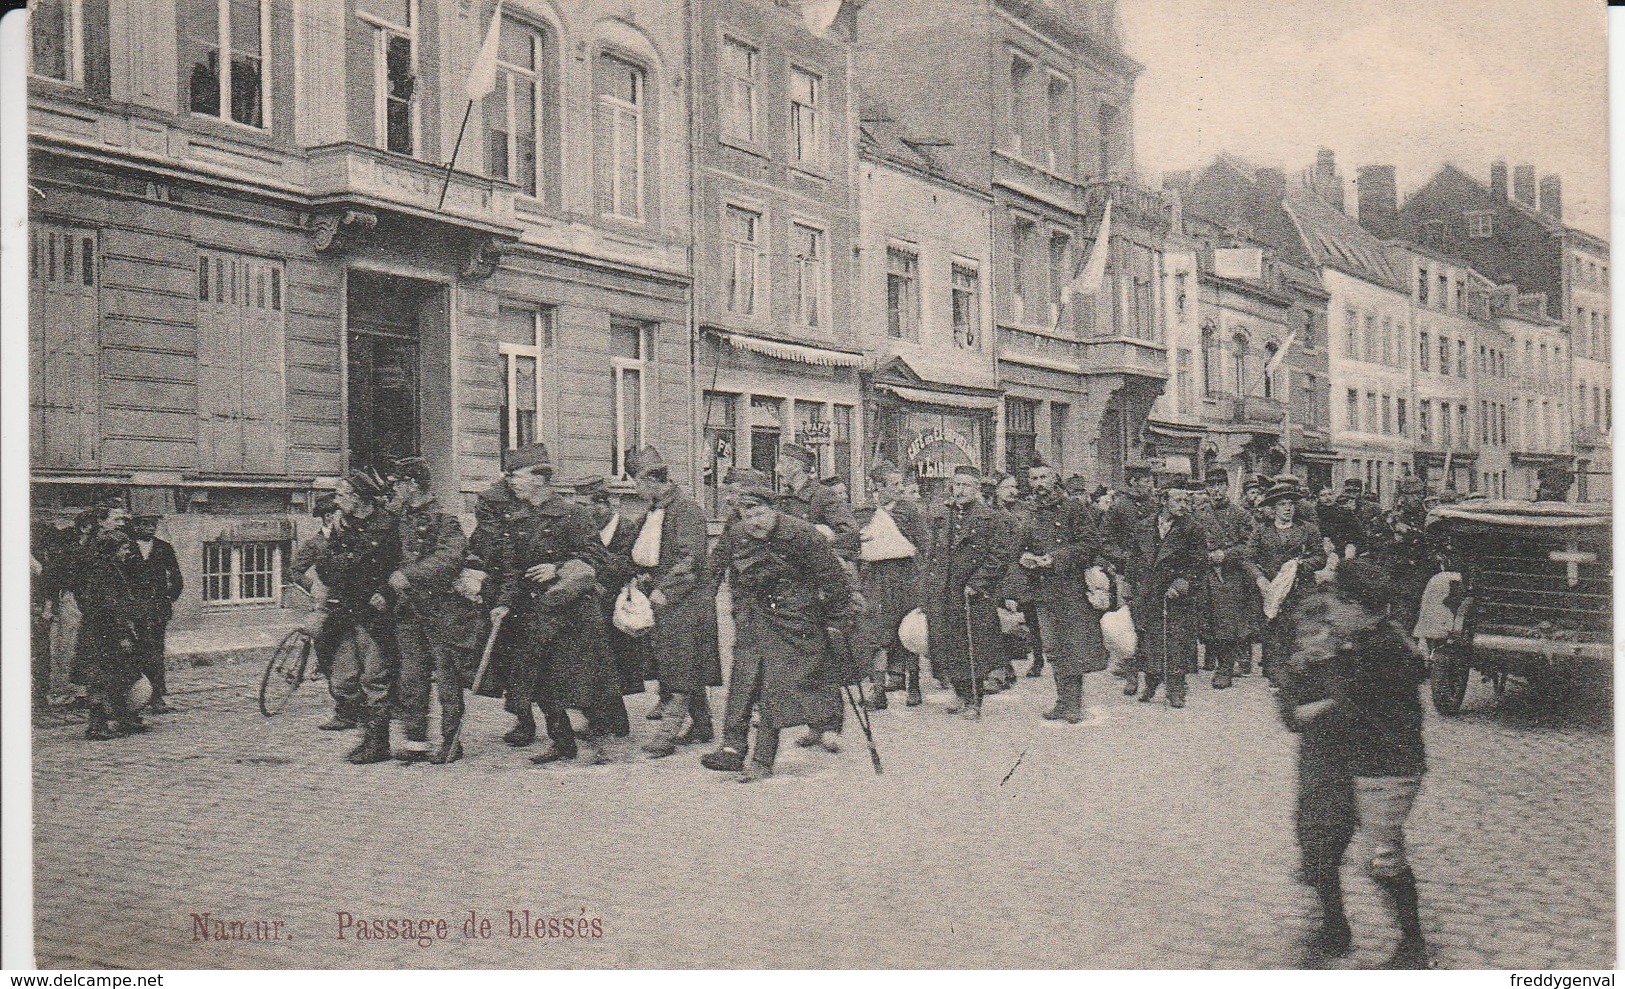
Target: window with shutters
<point>56,40</point>
<point>242,424</point>
<point>620,138</point>
<point>393,24</point>
<point>242,572</point>
<point>223,53</point>
<point>63,347</point>
<point>514,109</point>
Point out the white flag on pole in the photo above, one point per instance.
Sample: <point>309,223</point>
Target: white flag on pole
<point>483,77</point>
<point>1280,355</point>
<point>1092,276</point>
<point>820,14</point>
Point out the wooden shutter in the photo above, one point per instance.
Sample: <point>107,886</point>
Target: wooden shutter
<point>242,403</point>
<point>64,347</point>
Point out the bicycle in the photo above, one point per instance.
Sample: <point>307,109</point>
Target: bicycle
<point>288,668</point>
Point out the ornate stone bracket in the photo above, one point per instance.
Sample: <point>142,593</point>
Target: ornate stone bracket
<point>341,231</point>
<point>483,256</point>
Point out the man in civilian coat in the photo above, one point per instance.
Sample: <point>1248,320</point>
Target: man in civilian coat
<point>1058,543</point>
<point>549,587</point>
<point>891,589</point>
<point>1169,567</point>
<point>970,549</point>
<point>155,584</point>
<point>1231,607</point>
<point>676,576</point>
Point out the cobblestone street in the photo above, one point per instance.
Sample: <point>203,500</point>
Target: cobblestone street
<point>1099,851</point>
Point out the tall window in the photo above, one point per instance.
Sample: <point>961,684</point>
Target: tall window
<point>1020,262</point>
<point>721,438</point>
<point>513,110</point>
<point>740,65</point>
<point>1212,383</point>
<point>620,143</point>
<point>1373,423</point>
<point>840,441</point>
<point>1351,413</point>
<point>902,293</point>
<point>806,118</point>
<point>57,39</point>
<point>630,344</point>
<point>1020,71</point>
<point>1465,423</point>
<point>1422,286</point>
<point>1424,422</point>
<point>1238,364</point>
<point>394,71</point>
<point>1425,353</point>
<point>1401,425</point>
<point>231,87</point>
<point>1445,436</point>
<point>1060,272</point>
<point>1373,348</point>
<point>967,306</point>
<point>807,250</point>
<point>521,365</point>
<point>1388,340</point>
<point>1020,434</point>
<point>1387,414</point>
<point>1270,350</point>
<point>1444,355</point>
<point>1351,335</point>
<point>1596,406</point>
<point>1461,358</point>
<point>1059,117</point>
<point>1060,415</point>
<point>241,572</point>
<point>743,229</point>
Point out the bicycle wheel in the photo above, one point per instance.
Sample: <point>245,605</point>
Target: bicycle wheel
<point>284,672</point>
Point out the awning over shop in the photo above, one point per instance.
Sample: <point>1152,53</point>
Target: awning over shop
<point>799,353</point>
<point>952,400</point>
<point>1318,456</point>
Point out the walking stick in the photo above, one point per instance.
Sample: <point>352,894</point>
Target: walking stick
<point>479,675</point>
<point>863,722</point>
<point>970,654</point>
<point>1165,642</point>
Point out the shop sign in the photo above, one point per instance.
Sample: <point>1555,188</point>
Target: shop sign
<point>936,452</point>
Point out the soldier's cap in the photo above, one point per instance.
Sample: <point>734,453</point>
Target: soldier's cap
<point>527,457</point>
<point>883,470</point>
<point>757,494</point>
<point>410,469</point>
<point>592,487</point>
<point>1281,492</point>
<point>1277,458</point>
<point>111,499</point>
<point>803,455</point>
<point>1254,484</point>
<point>1410,485</point>
<point>745,477</point>
<point>1077,484</point>
<point>621,487</point>
<point>1181,482</point>
<point>968,470</point>
<point>1292,479</point>
<point>646,460</point>
<point>1353,484</point>
<point>366,483</point>
<point>326,504</point>
<point>1132,471</point>
<point>1037,460</point>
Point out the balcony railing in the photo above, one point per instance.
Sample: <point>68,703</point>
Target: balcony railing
<point>354,172</point>
<point>1148,209</point>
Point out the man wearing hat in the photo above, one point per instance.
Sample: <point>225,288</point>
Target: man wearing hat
<point>1232,609</point>
<point>1169,565</point>
<point>302,571</point>
<point>1003,494</point>
<point>107,638</point>
<point>363,547</point>
<point>432,553</point>
<point>497,514</point>
<point>1337,521</point>
<point>670,559</point>
<point>156,584</point>
<point>889,576</point>
<point>788,588</point>
<point>1057,544</point>
<point>970,549</point>
<point>549,589</point>
<point>1280,538</point>
<point>1405,548</point>
<point>1366,512</point>
<point>1129,508</point>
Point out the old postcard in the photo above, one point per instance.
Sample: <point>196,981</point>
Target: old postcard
<point>849,484</point>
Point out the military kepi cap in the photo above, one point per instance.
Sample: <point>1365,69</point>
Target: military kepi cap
<point>648,459</point>
<point>801,454</point>
<point>410,469</point>
<point>526,457</point>
<point>968,470</point>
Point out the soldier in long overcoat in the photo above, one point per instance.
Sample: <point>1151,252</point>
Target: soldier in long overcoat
<point>788,589</point>
<point>671,558</point>
<point>1059,543</point>
<point>890,588</point>
<point>1280,538</point>
<point>107,637</point>
<point>1170,566</point>
<point>970,549</point>
<point>550,589</point>
<point>1231,615</point>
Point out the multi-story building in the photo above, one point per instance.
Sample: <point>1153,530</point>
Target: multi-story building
<point>1540,429</point>
<point>774,226</point>
<point>1586,284</point>
<point>1039,107</point>
<point>250,273</point>
<point>925,307</point>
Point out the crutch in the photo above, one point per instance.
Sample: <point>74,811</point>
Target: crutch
<point>479,676</point>
<point>1165,643</point>
<point>863,722</point>
<point>970,654</point>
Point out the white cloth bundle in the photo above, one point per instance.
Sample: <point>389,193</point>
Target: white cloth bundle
<point>606,535</point>
<point>1009,621</point>
<point>1099,589</point>
<point>913,634</point>
<point>633,613</point>
<point>140,694</point>
<point>1117,628</point>
<point>646,551</point>
<point>1435,621</point>
<point>1275,591</point>
<point>882,540</point>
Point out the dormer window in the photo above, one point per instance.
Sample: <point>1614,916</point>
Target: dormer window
<point>1480,225</point>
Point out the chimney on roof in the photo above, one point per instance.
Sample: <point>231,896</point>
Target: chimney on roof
<point>1271,184</point>
<point>1498,180</point>
<point>1551,197</point>
<point>1523,185</point>
<point>1377,198</point>
<point>1326,181</point>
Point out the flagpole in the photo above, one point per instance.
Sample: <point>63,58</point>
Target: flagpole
<point>446,184</point>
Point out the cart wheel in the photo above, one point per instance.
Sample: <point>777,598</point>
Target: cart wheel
<point>284,672</point>
<point>1448,670</point>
